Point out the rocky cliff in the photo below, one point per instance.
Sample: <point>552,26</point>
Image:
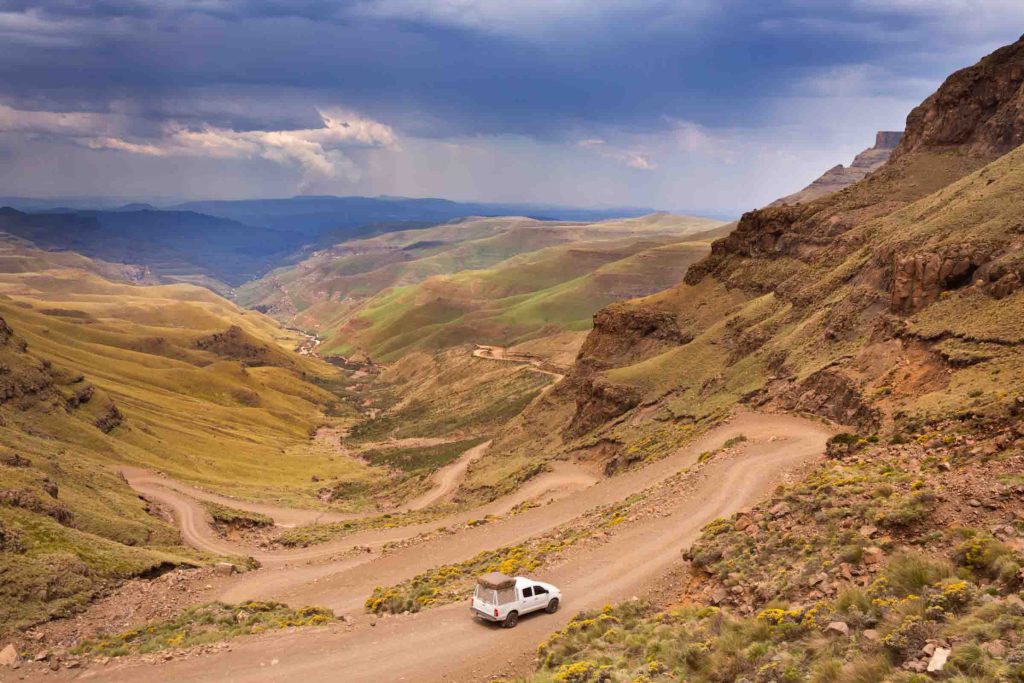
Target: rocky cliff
<point>861,305</point>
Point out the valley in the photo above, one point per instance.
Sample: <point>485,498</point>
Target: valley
<point>279,439</point>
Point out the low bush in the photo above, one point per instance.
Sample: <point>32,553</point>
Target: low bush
<point>990,558</point>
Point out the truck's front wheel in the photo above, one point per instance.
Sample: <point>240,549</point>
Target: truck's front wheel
<point>552,606</point>
<point>511,620</point>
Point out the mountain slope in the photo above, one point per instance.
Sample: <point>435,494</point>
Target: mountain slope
<point>497,281</point>
<point>893,300</point>
<point>98,373</point>
<point>893,307</point>
<point>169,244</point>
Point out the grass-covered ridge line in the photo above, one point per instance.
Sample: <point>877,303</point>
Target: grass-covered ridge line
<point>495,280</point>
<point>203,624</point>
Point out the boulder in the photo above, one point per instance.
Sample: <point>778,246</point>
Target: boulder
<point>872,555</point>
<point>9,657</point>
<point>938,660</point>
<point>225,568</point>
<point>838,627</point>
<point>742,522</point>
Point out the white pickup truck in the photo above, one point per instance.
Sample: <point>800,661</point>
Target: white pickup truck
<point>504,599</point>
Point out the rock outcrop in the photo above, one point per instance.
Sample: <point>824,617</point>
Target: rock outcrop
<point>622,332</point>
<point>599,401</point>
<point>830,283</point>
<point>236,344</point>
<point>979,110</point>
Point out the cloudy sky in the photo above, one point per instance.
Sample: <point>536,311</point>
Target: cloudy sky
<point>713,106</point>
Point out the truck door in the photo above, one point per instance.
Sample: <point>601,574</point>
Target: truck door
<point>541,596</point>
<point>526,604</point>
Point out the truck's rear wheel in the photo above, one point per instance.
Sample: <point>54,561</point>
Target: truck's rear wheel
<point>552,606</point>
<point>511,620</point>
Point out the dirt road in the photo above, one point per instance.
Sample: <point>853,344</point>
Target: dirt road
<point>563,480</point>
<point>152,484</point>
<point>447,479</point>
<point>500,353</point>
<point>445,643</point>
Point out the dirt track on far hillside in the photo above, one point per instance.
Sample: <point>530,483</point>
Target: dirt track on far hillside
<point>445,643</point>
<point>501,353</point>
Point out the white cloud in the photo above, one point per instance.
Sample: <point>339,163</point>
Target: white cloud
<point>632,158</point>
<point>317,151</point>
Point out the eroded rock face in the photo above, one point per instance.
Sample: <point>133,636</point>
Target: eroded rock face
<point>919,278</point>
<point>830,394</point>
<point>627,331</point>
<point>597,402</point>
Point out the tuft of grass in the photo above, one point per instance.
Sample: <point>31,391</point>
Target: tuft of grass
<point>909,573</point>
<point>734,441</point>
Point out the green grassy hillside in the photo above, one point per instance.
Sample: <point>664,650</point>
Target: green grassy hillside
<point>98,373</point>
<point>493,280</point>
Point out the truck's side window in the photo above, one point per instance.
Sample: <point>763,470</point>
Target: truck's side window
<point>527,592</point>
<point>539,590</point>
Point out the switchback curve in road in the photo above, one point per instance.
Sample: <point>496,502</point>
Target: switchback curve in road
<point>445,643</point>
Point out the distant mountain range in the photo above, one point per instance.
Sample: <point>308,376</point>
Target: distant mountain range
<point>346,217</point>
<point>233,241</point>
<point>170,244</point>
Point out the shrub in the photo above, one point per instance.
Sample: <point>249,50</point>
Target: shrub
<point>580,672</point>
<point>908,637</point>
<point>905,511</point>
<point>990,558</point>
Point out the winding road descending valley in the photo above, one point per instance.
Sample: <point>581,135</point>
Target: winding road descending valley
<point>445,643</point>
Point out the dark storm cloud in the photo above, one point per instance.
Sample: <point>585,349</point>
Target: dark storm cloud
<point>553,71</point>
<point>628,65</point>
